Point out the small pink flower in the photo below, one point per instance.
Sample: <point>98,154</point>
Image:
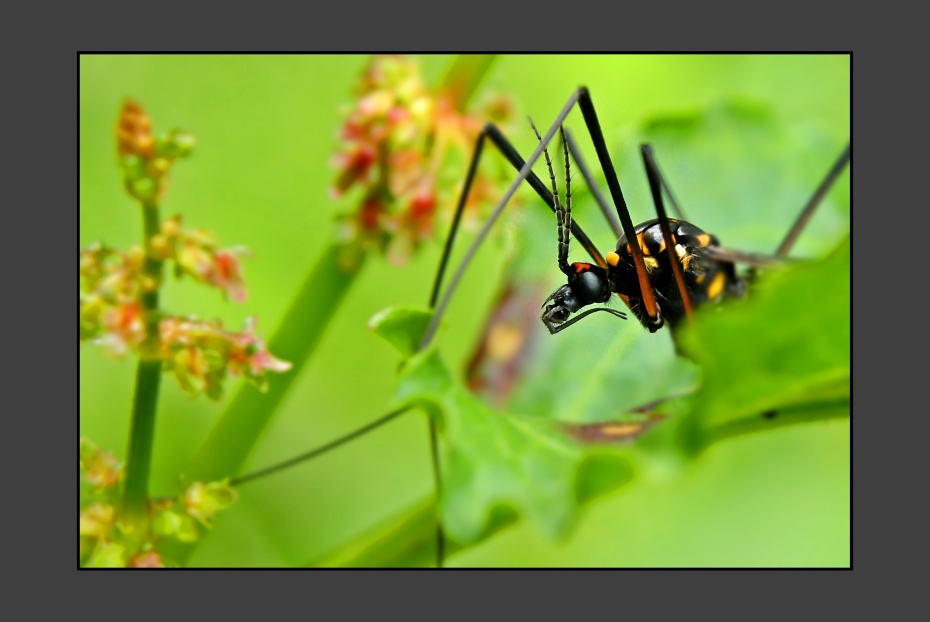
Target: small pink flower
<point>251,350</point>
<point>198,256</point>
<point>201,354</point>
<point>123,328</point>
<point>227,275</point>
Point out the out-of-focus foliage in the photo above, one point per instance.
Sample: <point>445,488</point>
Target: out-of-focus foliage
<point>774,359</point>
<point>782,354</point>
<point>265,133</point>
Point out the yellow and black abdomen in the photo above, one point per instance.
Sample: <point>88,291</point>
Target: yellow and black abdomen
<point>706,279</point>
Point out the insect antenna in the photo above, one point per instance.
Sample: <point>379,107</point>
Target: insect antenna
<point>589,179</point>
<point>812,204</point>
<point>554,329</point>
<point>559,210</point>
<point>656,188</point>
<point>492,133</point>
<point>568,197</point>
<point>582,97</point>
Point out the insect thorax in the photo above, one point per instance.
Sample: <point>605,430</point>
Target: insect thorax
<point>706,279</point>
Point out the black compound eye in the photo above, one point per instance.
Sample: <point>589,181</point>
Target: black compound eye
<point>589,286</point>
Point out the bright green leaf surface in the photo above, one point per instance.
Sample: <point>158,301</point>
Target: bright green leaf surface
<point>494,461</point>
<point>402,327</point>
<point>785,348</point>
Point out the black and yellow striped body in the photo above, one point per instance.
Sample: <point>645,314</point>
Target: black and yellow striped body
<point>706,279</point>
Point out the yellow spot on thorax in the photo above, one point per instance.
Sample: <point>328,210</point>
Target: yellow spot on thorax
<point>716,286</point>
<point>612,258</point>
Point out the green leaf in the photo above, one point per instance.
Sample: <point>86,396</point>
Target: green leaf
<point>402,327</point>
<point>743,174</point>
<point>495,465</point>
<point>783,351</point>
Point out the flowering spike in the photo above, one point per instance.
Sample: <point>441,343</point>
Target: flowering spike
<point>201,353</point>
<point>394,143</point>
<point>146,159</point>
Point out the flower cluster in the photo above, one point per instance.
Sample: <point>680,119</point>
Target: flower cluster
<point>144,158</point>
<point>201,353</point>
<point>104,542</point>
<point>394,144</point>
<point>110,282</point>
<point>196,254</point>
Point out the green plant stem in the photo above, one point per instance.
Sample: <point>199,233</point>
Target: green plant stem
<point>464,75</point>
<point>806,413</point>
<point>148,378</point>
<point>141,436</point>
<point>319,451</point>
<point>229,444</point>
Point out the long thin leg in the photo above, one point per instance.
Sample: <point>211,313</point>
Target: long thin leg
<point>603,156</point>
<point>523,174</point>
<point>656,187</point>
<point>592,184</point>
<point>497,138</point>
<point>668,189</point>
<point>583,99</point>
<point>821,191</point>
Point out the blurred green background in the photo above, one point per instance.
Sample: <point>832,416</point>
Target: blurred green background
<point>266,128</point>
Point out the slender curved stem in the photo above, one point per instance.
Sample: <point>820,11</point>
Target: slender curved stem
<point>313,453</point>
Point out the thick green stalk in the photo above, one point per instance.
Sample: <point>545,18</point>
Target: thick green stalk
<point>141,437</point>
<point>229,444</point>
<point>464,75</point>
<point>231,441</point>
<point>148,377</point>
